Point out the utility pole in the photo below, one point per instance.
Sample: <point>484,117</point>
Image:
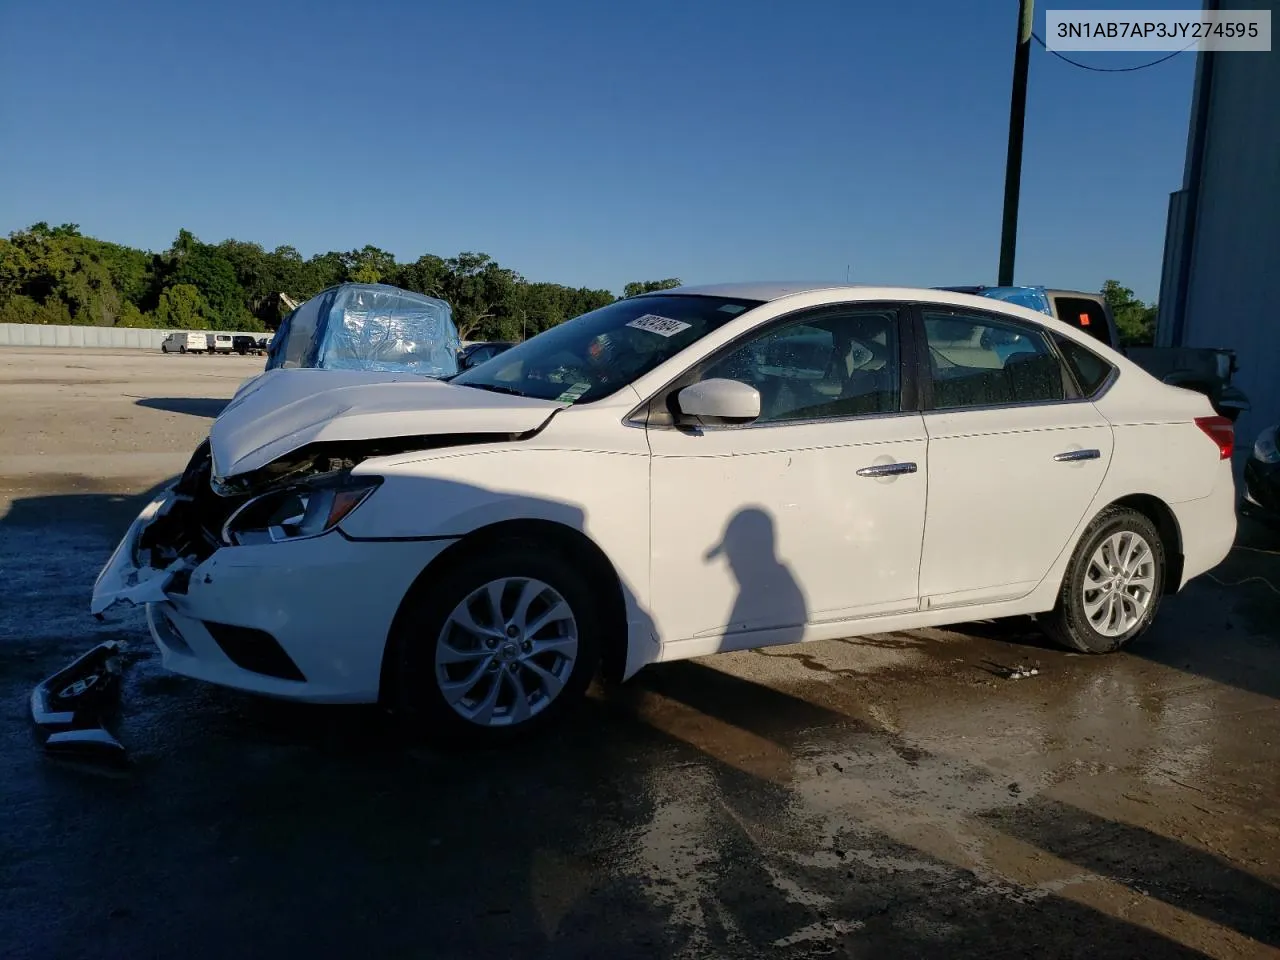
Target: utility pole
<point>1013,161</point>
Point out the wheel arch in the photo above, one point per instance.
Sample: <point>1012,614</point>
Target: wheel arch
<point>556,536</point>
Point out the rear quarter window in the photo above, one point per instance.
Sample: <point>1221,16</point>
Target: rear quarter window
<point>1089,369</point>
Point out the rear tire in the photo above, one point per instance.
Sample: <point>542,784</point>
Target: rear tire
<point>182,349</point>
<point>464,675</point>
<point>1112,588</point>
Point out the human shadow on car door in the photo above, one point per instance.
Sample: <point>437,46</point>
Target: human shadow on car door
<point>769,597</point>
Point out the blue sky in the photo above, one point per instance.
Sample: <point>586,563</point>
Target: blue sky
<point>593,143</point>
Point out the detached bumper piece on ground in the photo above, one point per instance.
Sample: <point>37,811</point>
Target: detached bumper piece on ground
<point>71,707</point>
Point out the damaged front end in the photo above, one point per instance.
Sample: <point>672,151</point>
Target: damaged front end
<point>168,539</point>
<point>301,495</point>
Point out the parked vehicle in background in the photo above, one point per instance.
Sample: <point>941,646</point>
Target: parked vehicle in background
<point>185,341</point>
<point>1262,478</point>
<point>1206,370</point>
<point>264,343</point>
<point>244,344</point>
<point>474,354</point>
<point>673,475</point>
<point>368,326</point>
<point>219,342</point>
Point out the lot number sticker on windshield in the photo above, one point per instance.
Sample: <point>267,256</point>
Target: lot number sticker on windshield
<point>662,326</point>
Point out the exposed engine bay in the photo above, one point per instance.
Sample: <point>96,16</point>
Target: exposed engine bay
<point>195,525</point>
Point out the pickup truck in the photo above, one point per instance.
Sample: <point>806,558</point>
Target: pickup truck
<point>1206,370</point>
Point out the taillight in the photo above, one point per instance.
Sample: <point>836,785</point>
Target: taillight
<point>1221,431</point>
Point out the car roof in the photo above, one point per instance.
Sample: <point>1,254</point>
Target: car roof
<point>822,293</point>
<point>755,290</point>
<point>777,290</point>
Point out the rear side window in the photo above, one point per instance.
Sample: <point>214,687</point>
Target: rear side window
<point>975,361</point>
<point>1086,315</point>
<point>1089,369</point>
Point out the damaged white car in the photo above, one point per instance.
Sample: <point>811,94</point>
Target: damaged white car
<point>673,475</point>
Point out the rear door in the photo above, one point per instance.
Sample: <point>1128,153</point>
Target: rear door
<point>1015,455</point>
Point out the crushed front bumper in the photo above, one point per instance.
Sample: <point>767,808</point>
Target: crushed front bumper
<point>71,707</point>
<point>301,619</point>
<point>123,579</point>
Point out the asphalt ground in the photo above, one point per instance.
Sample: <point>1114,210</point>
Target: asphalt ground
<point>894,795</point>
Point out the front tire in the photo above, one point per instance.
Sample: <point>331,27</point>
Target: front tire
<point>498,646</point>
<point>1112,587</point>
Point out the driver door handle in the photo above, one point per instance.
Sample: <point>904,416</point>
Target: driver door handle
<point>887,469</point>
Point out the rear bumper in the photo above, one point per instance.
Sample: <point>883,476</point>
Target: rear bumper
<point>1207,526</point>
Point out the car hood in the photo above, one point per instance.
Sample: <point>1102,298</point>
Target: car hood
<point>285,409</point>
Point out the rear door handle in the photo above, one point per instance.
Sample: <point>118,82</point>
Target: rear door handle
<point>887,469</point>
<point>1071,456</point>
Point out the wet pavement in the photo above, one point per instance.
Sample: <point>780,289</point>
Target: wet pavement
<point>889,796</point>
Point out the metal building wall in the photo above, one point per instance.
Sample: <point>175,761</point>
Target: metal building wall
<point>1233,288</point>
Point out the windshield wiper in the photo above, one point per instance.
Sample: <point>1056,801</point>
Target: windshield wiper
<point>493,388</point>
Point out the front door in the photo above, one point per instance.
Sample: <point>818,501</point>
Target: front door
<point>1015,458</point>
<point>814,512</point>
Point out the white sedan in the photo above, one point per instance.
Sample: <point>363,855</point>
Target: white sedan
<point>677,474</point>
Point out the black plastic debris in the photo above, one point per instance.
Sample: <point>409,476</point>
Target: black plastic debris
<point>72,706</point>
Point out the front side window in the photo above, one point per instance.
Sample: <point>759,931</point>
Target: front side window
<point>975,361</point>
<point>600,352</point>
<point>831,365</point>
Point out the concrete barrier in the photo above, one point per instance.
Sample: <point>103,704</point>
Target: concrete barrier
<point>51,335</point>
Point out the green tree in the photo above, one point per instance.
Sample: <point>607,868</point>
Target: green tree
<point>483,297</point>
<point>542,306</point>
<point>199,265</point>
<point>131,316</point>
<point>19,309</point>
<point>369,264</point>
<point>1135,320</point>
<point>285,264</point>
<point>637,287</point>
<point>58,265</point>
<point>321,272</point>
<point>428,274</point>
<point>182,307</point>
<point>55,274</point>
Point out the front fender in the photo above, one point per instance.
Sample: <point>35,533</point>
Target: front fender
<point>601,494</point>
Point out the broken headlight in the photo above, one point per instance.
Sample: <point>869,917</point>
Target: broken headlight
<point>296,512</point>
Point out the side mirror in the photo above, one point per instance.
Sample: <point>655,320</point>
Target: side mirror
<point>730,401</point>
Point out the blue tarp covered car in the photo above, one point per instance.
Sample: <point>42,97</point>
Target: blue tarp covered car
<point>369,326</point>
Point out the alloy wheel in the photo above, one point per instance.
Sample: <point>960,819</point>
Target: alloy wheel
<point>1119,583</point>
<point>506,651</point>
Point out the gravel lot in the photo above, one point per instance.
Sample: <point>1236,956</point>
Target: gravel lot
<point>887,796</point>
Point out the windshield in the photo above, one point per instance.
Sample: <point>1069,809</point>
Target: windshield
<point>597,353</point>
